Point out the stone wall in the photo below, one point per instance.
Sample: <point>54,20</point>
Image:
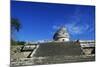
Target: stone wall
<point>58,48</point>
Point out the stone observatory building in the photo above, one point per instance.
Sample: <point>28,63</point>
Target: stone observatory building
<point>61,35</point>
<point>61,50</point>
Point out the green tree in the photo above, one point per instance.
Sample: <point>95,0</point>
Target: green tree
<point>15,24</point>
<point>15,27</point>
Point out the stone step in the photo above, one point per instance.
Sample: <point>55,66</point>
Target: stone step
<point>61,48</point>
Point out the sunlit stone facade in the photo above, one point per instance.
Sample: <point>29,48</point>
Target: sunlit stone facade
<point>61,35</point>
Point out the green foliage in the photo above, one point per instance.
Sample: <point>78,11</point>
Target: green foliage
<point>20,42</point>
<point>17,42</point>
<point>13,42</point>
<point>15,24</point>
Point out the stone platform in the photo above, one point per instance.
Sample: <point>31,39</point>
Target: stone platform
<point>50,53</point>
<point>58,48</point>
<point>52,60</point>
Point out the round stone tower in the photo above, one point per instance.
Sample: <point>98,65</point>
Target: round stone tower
<point>61,34</point>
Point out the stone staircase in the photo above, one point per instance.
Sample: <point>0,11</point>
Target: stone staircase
<point>58,48</point>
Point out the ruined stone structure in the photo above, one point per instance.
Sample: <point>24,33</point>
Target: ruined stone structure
<point>61,35</point>
<point>58,49</point>
<point>61,50</point>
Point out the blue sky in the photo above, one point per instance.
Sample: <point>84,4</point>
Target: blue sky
<point>39,21</point>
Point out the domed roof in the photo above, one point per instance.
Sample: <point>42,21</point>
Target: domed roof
<point>61,33</point>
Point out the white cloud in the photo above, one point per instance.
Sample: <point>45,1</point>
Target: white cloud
<point>74,28</point>
<point>77,29</point>
<point>55,27</point>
